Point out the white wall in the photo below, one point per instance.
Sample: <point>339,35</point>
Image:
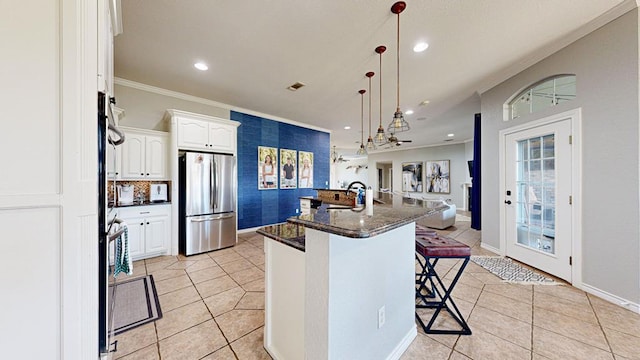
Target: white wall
<point>606,65</point>
<point>455,153</point>
<point>351,170</point>
<point>145,109</point>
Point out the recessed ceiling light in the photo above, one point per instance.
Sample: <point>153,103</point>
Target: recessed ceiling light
<point>420,47</point>
<point>424,103</point>
<point>450,135</point>
<point>409,112</point>
<point>347,127</point>
<point>201,66</point>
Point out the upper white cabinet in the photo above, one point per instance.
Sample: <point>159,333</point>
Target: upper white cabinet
<point>144,154</point>
<point>114,154</point>
<point>201,132</point>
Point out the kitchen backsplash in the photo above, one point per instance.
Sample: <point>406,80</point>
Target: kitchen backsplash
<point>140,188</point>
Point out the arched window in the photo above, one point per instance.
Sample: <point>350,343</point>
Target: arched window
<point>543,94</point>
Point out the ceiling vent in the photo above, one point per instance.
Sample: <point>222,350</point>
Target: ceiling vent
<point>295,86</point>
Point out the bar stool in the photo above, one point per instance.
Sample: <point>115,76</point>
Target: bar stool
<point>431,292</point>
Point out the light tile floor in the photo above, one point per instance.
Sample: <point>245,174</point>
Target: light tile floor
<point>213,308</point>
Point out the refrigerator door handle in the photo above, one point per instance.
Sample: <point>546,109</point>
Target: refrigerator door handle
<point>215,184</point>
<point>212,188</point>
<point>213,218</point>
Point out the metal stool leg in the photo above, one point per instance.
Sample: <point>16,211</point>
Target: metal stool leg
<point>445,301</point>
<point>422,291</point>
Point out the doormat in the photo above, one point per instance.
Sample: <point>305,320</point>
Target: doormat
<point>512,272</point>
<point>134,303</point>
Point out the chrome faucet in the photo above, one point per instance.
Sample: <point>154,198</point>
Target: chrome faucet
<point>353,183</point>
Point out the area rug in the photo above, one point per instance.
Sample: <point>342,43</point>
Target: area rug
<point>135,302</point>
<point>509,271</point>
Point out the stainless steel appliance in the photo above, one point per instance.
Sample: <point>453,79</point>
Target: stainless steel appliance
<point>207,202</point>
<point>108,135</point>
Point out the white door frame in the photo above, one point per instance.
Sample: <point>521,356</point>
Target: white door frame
<point>575,116</point>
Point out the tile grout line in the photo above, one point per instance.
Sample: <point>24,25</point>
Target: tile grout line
<point>532,317</point>
<point>606,338</point>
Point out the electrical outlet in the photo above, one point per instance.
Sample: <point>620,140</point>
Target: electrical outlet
<point>381,317</point>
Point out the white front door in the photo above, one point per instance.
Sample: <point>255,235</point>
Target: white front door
<point>538,188</point>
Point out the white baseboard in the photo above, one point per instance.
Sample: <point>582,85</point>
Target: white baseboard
<point>273,352</point>
<point>612,298</point>
<point>491,248</point>
<point>404,344</point>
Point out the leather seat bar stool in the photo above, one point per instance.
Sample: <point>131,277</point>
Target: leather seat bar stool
<point>431,292</point>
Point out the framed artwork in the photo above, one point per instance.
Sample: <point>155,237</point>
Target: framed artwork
<point>305,177</point>
<point>437,176</point>
<point>288,169</point>
<point>412,177</point>
<point>267,168</point>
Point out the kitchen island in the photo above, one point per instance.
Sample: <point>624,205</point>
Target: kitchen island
<point>346,291</point>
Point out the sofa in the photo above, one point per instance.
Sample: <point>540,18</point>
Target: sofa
<point>443,219</point>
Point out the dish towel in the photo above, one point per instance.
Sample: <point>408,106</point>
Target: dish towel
<point>122,259</point>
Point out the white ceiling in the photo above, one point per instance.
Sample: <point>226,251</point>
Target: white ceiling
<point>256,49</point>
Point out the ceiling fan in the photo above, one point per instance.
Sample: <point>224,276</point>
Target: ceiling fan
<point>340,159</point>
<point>393,140</point>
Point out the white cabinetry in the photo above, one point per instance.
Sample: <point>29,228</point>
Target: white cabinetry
<point>201,132</point>
<point>149,228</point>
<point>114,155</point>
<point>114,162</point>
<point>144,155</point>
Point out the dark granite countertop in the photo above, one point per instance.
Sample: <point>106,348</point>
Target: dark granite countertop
<point>286,233</point>
<point>390,212</point>
<point>145,203</point>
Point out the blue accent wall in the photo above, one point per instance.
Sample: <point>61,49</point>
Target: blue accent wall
<point>264,207</point>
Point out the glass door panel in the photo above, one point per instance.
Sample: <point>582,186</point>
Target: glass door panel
<point>536,193</point>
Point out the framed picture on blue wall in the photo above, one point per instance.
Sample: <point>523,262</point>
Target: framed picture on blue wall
<point>288,169</point>
<point>305,178</point>
<point>267,168</point>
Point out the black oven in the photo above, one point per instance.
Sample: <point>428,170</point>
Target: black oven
<point>108,135</point>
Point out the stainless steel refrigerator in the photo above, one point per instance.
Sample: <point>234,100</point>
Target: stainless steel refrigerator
<point>207,202</point>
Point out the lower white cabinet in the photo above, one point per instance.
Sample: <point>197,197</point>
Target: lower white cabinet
<point>149,229</point>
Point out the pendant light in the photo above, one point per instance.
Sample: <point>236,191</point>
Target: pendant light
<point>398,124</point>
<point>370,144</point>
<point>362,150</point>
<point>381,137</point>
<point>334,155</point>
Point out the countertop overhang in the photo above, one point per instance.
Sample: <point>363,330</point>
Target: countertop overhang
<point>286,233</point>
<point>390,212</point>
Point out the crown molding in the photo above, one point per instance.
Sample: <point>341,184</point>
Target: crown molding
<point>199,100</point>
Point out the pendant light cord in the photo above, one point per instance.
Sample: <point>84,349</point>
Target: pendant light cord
<point>361,117</point>
<point>398,62</point>
<point>369,106</point>
<point>380,76</point>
